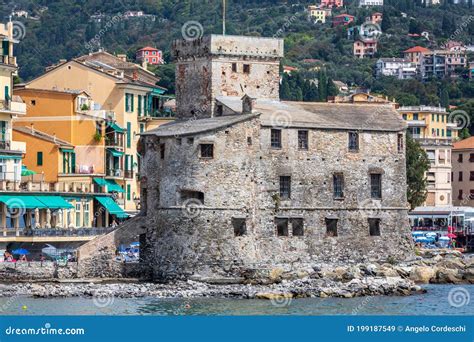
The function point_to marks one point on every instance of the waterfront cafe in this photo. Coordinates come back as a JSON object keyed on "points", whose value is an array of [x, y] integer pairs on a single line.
{"points": [[454, 222], [20, 214]]}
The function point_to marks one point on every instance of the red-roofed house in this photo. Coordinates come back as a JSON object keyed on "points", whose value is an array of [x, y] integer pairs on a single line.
{"points": [[342, 19], [150, 55], [414, 54], [332, 3], [376, 18], [366, 48]]}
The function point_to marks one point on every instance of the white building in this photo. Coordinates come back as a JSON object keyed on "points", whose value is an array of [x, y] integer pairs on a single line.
{"points": [[369, 3], [398, 67]]}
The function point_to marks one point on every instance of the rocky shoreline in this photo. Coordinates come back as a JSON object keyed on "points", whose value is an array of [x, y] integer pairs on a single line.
{"points": [[370, 279]]}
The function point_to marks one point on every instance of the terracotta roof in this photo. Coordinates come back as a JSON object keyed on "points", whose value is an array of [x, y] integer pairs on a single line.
{"points": [[148, 48], [464, 144], [417, 49], [343, 15]]}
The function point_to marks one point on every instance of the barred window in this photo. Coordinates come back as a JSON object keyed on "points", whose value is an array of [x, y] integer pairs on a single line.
{"points": [[376, 185], [285, 187], [207, 151], [338, 185], [303, 140], [400, 143], [275, 138], [353, 141]]}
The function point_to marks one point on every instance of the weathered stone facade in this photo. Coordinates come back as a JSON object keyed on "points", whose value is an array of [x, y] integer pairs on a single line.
{"points": [[223, 210]]}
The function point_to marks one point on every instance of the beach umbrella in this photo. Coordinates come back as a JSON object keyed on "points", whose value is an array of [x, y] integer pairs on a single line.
{"points": [[444, 238], [421, 239], [418, 233], [135, 244], [452, 236], [27, 172], [20, 251]]}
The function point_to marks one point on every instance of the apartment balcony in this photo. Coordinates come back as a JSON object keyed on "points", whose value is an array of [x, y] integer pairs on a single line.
{"points": [[416, 123], [453, 125], [8, 61], [448, 141], [422, 109], [114, 141], [158, 114], [14, 107], [118, 173], [128, 174]]}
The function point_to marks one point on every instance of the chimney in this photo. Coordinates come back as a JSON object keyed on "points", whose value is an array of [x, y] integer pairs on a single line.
{"points": [[122, 57], [248, 104], [32, 128]]}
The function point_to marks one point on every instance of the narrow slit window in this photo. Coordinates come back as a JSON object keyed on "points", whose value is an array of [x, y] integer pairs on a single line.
{"points": [[285, 187]]}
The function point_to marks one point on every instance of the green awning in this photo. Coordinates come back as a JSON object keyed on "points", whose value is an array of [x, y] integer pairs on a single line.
{"points": [[116, 128], [112, 207], [115, 152], [55, 202], [22, 202], [67, 150], [112, 185], [6, 156], [158, 91]]}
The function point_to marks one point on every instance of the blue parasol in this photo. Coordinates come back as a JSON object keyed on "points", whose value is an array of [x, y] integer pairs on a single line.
{"points": [[20, 251]]}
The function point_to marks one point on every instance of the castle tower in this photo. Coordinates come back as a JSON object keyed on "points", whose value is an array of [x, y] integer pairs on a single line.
{"points": [[217, 65]]}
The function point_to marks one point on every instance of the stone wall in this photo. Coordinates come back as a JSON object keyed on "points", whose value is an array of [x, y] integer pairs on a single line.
{"points": [[97, 257], [36, 271], [214, 66], [242, 181]]}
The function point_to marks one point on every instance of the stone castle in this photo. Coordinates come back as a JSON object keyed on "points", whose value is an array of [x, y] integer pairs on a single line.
{"points": [[242, 183]]}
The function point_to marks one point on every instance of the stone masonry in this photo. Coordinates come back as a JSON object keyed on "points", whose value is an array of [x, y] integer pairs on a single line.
{"points": [[253, 183]]}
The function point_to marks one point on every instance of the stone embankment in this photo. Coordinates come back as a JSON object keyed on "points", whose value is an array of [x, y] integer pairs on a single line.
{"points": [[369, 279]]}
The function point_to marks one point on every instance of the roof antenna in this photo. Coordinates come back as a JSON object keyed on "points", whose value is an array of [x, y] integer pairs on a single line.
{"points": [[223, 17]]}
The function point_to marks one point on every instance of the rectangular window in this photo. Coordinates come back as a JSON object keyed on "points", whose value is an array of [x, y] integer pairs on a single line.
{"points": [[139, 105], [240, 226], [338, 185], [303, 140], [460, 195], [471, 194], [162, 151], [376, 185], [85, 222], [471, 157], [331, 227], [282, 226], [353, 141], [129, 134], [415, 116], [246, 68], [132, 104], [460, 176], [471, 176], [400, 143], [39, 158], [78, 214], [460, 158], [374, 227], [234, 67], [297, 226], [207, 151], [129, 192], [285, 187], [127, 102], [190, 141], [142, 128], [275, 136]]}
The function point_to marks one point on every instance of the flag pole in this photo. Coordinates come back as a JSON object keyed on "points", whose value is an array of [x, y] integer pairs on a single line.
{"points": [[223, 17]]}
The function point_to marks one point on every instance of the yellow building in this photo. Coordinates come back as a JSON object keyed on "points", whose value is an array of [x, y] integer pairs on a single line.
{"points": [[430, 126], [317, 14], [11, 106], [118, 86]]}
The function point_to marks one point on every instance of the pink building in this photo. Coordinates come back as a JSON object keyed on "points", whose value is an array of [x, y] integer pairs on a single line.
{"points": [[332, 3], [150, 55], [365, 48]]}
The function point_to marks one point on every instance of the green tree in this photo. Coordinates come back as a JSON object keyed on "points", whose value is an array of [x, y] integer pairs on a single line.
{"points": [[445, 98], [323, 85], [417, 164]]}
